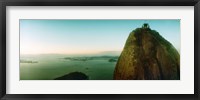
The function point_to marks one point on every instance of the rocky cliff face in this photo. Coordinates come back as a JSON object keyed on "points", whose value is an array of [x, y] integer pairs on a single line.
{"points": [[147, 56]]}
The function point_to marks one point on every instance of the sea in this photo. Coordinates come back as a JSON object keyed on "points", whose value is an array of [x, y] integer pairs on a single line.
{"points": [[51, 66]]}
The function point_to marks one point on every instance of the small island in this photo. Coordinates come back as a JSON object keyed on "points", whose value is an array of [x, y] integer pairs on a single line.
{"points": [[112, 60], [28, 61]]}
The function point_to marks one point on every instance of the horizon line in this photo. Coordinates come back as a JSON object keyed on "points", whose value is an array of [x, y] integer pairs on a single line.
{"points": [[68, 53]]}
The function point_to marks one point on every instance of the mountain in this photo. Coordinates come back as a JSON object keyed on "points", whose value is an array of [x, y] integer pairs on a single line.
{"points": [[147, 56]]}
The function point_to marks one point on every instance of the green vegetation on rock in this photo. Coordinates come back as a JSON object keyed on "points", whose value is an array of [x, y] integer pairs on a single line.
{"points": [[147, 56]]}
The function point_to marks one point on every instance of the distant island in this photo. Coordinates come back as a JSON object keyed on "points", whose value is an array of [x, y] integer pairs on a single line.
{"points": [[28, 61], [112, 60], [109, 58]]}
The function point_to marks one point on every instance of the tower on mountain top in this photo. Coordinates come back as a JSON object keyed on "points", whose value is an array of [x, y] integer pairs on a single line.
{"points": [[145, 26]]}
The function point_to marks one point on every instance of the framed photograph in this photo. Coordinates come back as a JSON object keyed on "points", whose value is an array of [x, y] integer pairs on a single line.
{"points": [[98, 49]]}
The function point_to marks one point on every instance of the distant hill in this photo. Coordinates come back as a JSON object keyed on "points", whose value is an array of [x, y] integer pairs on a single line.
{"points": [[147, 56]]}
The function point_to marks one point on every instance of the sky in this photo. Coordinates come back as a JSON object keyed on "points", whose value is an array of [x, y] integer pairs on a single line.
{"points": [[42, 36]]}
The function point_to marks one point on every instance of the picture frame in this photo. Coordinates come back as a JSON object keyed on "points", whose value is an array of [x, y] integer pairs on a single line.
{"points": [[3, 55]]}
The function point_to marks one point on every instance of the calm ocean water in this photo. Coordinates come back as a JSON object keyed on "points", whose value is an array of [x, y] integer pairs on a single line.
{"points": [[49, 67]]}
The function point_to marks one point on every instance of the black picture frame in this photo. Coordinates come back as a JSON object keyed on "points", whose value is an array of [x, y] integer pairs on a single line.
{"points": [[4, 3]]}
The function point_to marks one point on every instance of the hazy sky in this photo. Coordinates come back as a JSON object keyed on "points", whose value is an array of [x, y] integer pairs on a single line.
{"points": [[87, 36]]}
